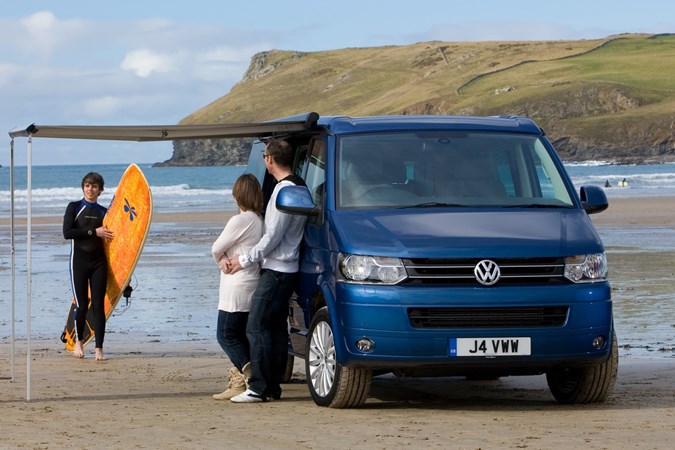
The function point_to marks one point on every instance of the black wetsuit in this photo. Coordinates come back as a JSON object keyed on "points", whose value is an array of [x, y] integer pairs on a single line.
{"points": [[88, 265]]}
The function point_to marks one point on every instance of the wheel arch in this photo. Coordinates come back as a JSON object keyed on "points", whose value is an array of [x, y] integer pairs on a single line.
{"points": [[324, 297]]}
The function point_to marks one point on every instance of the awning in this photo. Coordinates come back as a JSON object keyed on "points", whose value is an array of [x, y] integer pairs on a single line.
{"points": [[143, 133]]}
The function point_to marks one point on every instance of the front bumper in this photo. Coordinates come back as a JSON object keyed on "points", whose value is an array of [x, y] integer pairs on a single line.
{"points": [[380, 313]]}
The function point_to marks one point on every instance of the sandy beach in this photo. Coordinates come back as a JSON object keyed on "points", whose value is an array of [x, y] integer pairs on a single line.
{"points": [[155, 390]]}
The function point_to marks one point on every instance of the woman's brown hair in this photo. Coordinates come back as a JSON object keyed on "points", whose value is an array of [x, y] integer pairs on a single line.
{"points": [[248, 193]]}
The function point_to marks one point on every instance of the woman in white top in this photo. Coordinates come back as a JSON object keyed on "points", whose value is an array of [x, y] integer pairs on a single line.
{"points": [[241, 232]]}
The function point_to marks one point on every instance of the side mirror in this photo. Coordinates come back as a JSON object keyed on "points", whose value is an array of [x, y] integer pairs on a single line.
{"points": [[593, 199], [296, 200]]}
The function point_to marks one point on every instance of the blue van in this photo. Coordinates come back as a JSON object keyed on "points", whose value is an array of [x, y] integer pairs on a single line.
{"points": [[444, 246]]}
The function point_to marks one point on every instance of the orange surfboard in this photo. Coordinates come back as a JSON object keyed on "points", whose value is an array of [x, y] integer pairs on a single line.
{"points": [[129, 217]]}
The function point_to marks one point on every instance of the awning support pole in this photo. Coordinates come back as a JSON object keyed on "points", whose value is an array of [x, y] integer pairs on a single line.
{"points": [[29, 250], [12, 363]]}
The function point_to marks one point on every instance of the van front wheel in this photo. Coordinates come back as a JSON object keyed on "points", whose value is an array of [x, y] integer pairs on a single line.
{"points": [[585, 384], [331, 384]]}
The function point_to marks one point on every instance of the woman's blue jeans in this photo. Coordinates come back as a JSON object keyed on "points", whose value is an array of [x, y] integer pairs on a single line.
{"points": [[231, 334]]}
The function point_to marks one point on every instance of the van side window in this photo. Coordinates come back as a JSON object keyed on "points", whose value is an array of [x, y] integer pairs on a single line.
{"points": [[300, 160], [315, 176]]}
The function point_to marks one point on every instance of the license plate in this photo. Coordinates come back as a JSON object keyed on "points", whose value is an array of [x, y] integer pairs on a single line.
{"points": [[497, 346]]}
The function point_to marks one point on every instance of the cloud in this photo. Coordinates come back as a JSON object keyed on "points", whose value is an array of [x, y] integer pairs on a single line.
{"points": [[143, 62], [113, 72], [41, 34], [83, 71], [41, 29], [39, 22]]}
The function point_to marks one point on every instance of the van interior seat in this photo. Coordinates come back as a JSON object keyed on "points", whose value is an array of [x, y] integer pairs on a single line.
{"points": [[374, 170], [475, 177]]}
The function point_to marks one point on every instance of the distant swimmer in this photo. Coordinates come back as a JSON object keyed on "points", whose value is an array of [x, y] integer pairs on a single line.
{"points": [[607, 184], [623, 183]]}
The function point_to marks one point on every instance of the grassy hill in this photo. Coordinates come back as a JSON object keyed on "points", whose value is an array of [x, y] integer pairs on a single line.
{"points": [[610, 98]]}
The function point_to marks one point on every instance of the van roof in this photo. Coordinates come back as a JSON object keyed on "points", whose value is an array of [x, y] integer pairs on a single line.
{"points": [[511, 124]]}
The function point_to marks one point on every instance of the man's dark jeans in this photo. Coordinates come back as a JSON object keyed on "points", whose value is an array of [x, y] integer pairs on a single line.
{"points": [[267, 331]]}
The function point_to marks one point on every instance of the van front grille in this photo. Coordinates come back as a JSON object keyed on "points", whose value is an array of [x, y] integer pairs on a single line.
{"points": [[538, 316], [460, 271]]}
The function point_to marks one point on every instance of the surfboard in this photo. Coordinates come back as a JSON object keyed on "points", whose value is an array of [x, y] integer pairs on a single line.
{"points": [[129, 216]]}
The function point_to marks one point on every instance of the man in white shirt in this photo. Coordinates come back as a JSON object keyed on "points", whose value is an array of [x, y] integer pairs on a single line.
{"points": [[278, 251]]}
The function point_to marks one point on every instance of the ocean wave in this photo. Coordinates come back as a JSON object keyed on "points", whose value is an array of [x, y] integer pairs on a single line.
{"points": [[73, 193], [587, 163], [52, 201], [642, 180], [664, 180], [184, 190]]}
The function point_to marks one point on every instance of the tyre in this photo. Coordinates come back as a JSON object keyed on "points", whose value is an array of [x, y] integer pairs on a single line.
{"points": [[329, 383], [585, 384], [288, 372]]}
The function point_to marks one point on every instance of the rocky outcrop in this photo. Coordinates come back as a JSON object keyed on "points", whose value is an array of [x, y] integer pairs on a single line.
{"points": [[582, 101], [637, 143], [209, 152], [571, 149], [262, 64]]}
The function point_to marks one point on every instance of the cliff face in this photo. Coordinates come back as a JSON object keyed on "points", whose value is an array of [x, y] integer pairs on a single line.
{"points": [[610, 99], [603, 123], [209, 152]]}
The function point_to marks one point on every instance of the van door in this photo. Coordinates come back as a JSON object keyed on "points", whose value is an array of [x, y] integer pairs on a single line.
{"points": [[313, 247]]}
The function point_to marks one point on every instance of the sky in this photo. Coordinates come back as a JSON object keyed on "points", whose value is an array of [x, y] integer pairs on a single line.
{"points": [[141, 62]]}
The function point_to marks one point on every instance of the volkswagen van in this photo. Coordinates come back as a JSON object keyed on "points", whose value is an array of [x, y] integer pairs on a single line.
{"points": [[444, 246]]}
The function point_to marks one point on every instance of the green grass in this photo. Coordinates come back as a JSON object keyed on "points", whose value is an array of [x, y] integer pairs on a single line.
{"points": [[588, 89]]}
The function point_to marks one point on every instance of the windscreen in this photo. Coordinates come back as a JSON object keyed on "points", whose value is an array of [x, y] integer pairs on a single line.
{"points": [[425, 169]]}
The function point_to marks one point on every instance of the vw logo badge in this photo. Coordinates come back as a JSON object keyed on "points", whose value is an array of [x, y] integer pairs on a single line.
{"points": [[487, 272]]}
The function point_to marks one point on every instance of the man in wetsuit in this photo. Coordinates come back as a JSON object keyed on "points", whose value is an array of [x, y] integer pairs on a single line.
{"points": [[83, 224]]}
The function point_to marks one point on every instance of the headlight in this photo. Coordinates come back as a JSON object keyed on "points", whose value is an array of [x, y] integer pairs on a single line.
{"points": [[586, 268], [371, 269]]}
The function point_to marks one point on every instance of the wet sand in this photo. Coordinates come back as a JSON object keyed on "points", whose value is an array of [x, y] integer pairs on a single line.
{"points": [[155, 391]]}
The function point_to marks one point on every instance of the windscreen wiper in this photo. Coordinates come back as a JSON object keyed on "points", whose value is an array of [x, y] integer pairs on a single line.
{"points": [[434, 205], [535, 206]]}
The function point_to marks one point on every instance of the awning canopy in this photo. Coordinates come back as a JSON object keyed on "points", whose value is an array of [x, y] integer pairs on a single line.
{"points": [[143, 133], [279, 127]]}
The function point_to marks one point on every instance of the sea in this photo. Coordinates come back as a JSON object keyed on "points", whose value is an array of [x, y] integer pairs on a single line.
{"points": [[176, 281], [210, 188], [173, 188]]}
